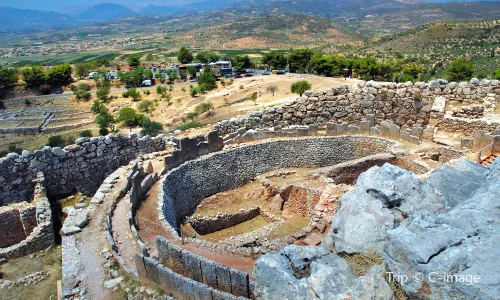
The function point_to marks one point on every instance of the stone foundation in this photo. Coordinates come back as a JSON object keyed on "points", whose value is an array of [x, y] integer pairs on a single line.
{"points": [[205, 225], [184, 187], [27, 228]]}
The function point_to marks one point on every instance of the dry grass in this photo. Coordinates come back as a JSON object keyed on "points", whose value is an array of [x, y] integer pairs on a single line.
{"points": [[361, 263], [49, 261], [399, 293]]}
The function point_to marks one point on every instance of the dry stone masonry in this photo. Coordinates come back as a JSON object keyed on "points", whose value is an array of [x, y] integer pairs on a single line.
{"points": [[27, 228], [184, 187], [79, 167]]}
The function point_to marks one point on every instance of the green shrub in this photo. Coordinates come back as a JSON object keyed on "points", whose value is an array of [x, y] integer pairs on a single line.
{"points": [[85, 133], [56, 141], [299, 87], [103, 131], [189, 125]]}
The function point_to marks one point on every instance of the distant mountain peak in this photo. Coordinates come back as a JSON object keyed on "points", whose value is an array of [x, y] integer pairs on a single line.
{"points": [[105, 11]]}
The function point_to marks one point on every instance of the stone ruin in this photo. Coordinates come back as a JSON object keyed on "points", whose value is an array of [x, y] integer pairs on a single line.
{"points": [[26, 228], [439, 221]]}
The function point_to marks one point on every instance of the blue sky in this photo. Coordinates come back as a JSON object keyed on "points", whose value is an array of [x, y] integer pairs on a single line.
{"points": [[60, 5]]}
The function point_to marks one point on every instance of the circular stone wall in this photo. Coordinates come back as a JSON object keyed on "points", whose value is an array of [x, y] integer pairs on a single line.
{"points": [[186, 186]]}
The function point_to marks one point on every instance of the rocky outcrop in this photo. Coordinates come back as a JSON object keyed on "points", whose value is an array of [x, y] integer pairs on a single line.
{"points": [[455, 251], [314, 273], [438, 238], [382, 198]]}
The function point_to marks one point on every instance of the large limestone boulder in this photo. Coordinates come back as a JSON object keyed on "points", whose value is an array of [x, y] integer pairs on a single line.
{"points": [[455, 253], [382, 198], [459, 182], [314, 273]]}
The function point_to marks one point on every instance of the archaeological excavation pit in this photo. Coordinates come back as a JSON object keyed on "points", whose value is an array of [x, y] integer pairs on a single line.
{"points": [[238, 199]]}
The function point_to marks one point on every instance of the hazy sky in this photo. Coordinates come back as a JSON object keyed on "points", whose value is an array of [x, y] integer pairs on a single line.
{"points": [[58, 5]]}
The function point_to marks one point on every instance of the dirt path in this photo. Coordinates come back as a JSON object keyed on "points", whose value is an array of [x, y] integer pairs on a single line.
{"points": [[91, 243], [150, 226], [126, 243]]}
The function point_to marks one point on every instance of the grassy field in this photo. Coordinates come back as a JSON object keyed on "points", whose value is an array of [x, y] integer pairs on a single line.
{"points": [[49, 261]]}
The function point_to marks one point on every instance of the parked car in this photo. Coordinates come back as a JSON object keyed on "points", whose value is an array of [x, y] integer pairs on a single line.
{"points": [[146, 83], [128, 86], [58, 92], [170, 82], [193, 80], [266, 73], [248, 75], [237, 76], [280, 72]]}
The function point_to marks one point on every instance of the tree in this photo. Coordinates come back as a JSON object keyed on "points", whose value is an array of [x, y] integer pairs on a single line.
{"points": [[326, 65], [412, 70], [133, 93], [56, 141], [184, 56], [8, 77], [145, 105], [81, 91], [299, 59], [241, 63], [275, 60], [151, 128], [194, 91], [102, 93], [85, 133], [206, 57], [161, 90], [207, 81], [127, 116], [172, 74], [60, 75], [496, 74], [459, 70], [299, 87], [204, 107], [191, 116], [135, 77], [272, 89], [134, 61], [191, 71], [97, 107], [105, 120], [253, 98], [83, 69], [34, 76]]}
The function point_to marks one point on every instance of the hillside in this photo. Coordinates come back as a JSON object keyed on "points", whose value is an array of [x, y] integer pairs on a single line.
{"points": [[438, 43], [422, 14], [13, 19], [104, 11], [276, 31]]}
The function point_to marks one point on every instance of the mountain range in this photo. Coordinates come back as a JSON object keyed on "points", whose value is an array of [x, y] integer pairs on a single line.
{"points": [[14, 19]]}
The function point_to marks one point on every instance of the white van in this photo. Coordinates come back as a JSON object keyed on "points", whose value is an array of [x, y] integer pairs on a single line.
{"points": [[146, 83]]}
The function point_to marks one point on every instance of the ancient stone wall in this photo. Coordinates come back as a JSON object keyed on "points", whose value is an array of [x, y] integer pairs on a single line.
{"points": [[404, 104], [184, 187], [180, 287], [467, 126], [200, 269], [79, 167], [27, 228], [209, 224]]}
